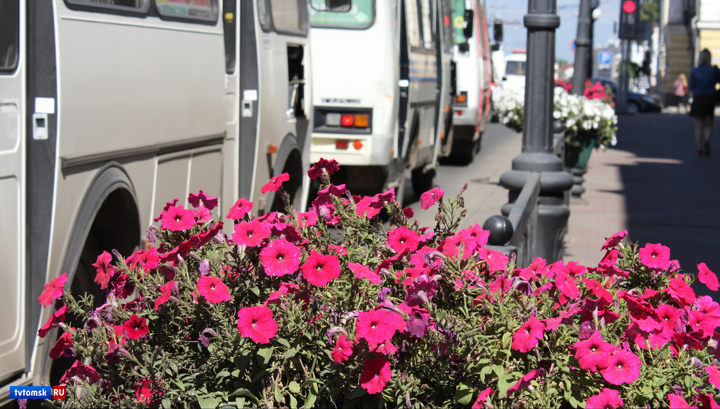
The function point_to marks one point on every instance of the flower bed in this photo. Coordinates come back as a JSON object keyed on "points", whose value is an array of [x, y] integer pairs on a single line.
{"points": [[590, 116], [333, 308]]}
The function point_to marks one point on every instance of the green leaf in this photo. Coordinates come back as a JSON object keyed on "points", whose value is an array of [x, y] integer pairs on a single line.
{"points": [[277, 394], [499, 371], [166, 403], [293, 402], [263, 356], [283, 342], [240, 402], [310, 381], [294, 387], [222, 374], [290, 353], [573, 401], [463, 394], [358, 393], [312, 397], [180, 385], [506, 340], [485, 371], [244, 393], [174, 367], [208, 401], [255, 290]]}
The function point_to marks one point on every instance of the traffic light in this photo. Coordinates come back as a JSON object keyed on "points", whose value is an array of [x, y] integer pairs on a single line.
{"points": [[629, 15]]}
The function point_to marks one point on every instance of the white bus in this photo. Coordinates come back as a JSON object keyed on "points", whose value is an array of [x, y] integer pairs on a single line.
{"points": [[474, 77], [379, 91], [109, 109]]}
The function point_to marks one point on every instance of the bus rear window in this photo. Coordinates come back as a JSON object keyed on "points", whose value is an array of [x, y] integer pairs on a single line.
{"points": [[205, 11], [515, 68], [9, 35], [359, 15]]}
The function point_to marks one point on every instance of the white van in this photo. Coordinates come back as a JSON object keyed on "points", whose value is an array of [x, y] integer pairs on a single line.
{"points": [[110, 109], [515, 68], [379, 89], [474, 76]]}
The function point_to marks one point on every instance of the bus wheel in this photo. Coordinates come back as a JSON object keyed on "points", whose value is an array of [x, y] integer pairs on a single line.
{"points": [[422, 181]]}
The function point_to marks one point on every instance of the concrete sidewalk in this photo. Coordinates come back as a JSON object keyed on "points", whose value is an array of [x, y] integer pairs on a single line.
{"points": [[654, 185]]}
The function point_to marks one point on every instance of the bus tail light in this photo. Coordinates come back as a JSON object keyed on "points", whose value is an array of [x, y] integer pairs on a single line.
{"points": [[358, 145], [362, 121], [332, 119], [347, 120], [340, 144], [461, 99], [459, 113]]}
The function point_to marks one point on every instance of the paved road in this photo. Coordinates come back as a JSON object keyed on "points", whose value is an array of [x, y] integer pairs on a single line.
{"points": [[484, 195]]}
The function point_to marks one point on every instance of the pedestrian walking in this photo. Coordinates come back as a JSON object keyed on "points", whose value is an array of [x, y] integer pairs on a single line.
{"points": [[703, 79], [681, 90]]}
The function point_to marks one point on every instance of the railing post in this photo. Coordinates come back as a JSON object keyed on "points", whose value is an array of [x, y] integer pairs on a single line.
{"points": [[537, 149]]}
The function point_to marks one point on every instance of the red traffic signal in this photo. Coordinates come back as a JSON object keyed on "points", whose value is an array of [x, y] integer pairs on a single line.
{"points": [[629, 6]]}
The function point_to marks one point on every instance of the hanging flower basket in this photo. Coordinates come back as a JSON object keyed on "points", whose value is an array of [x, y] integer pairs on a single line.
{"points": [[578, 155]]}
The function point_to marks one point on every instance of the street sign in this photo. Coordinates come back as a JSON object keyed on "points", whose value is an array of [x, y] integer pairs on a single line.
{"points": [[572, 46], [604, 58]]}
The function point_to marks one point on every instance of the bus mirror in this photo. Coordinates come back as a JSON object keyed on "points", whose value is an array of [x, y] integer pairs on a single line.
{"points": [[463, 47], [467, 31], [498, 31], [495, 47]]}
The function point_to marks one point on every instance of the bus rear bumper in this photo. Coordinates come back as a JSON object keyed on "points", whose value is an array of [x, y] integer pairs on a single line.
{"points": [[361, 150]]}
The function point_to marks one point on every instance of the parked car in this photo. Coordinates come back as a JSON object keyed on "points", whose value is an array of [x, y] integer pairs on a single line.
{"points": [[636, 102]]}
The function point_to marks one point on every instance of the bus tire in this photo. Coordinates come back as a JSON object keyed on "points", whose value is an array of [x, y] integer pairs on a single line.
{"points": [[422, 181]]}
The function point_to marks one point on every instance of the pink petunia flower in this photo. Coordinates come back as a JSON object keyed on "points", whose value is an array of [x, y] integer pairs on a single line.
{"points": [[402, 238], [678, 402], [408, 212], [713, 375], [707, 277], [53, 290], [524, 382], [362, 271], [429, 198], [593, 353], [623, 367], [655, 256], [566, 285], [323, 166], [167, 206], [482, 398], [208, 201], [377, 326], [307, 219], [53, 321], [104, 269], [680, 291], [280, 257], [285, 289], [375, 375], [177, 218], [478, 237], [257, 323], [240, 209], [275, 183], [369, 206], [213, 289], [614, 240], [706, 401], [342, 351], [251, 233], [80, 373], [63, 343], [667, 315], [598, 290], [135, 327], [148, 393], [164, 294], [385, 348], [320, 269], [606, 399], [496, 261], [527, 336]]}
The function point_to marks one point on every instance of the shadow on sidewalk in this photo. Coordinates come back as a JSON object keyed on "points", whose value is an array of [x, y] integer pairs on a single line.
{"points": [[672, 196]]}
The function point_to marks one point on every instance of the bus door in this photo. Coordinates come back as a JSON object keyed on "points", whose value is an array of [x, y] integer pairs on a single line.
{"points": [[12, 184], [404, 82]]}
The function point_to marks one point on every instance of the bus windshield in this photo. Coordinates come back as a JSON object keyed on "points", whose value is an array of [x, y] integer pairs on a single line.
{"points": [[515, 68], [359, 15], [458, 20]]}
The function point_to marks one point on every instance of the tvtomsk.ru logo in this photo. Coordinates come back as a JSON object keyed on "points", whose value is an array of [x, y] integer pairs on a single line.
{"points": [[37, 392]]}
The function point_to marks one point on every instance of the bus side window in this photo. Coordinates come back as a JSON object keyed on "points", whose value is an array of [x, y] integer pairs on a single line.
{"points": [[412, 22], [9, 35], [229, 30], [426, 24], [290, 16], [132, 7], [193, 11]]}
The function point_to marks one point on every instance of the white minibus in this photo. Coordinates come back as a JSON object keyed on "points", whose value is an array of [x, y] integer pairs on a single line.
{"points": [[109, 109], [379, 90], [474, 77]]}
